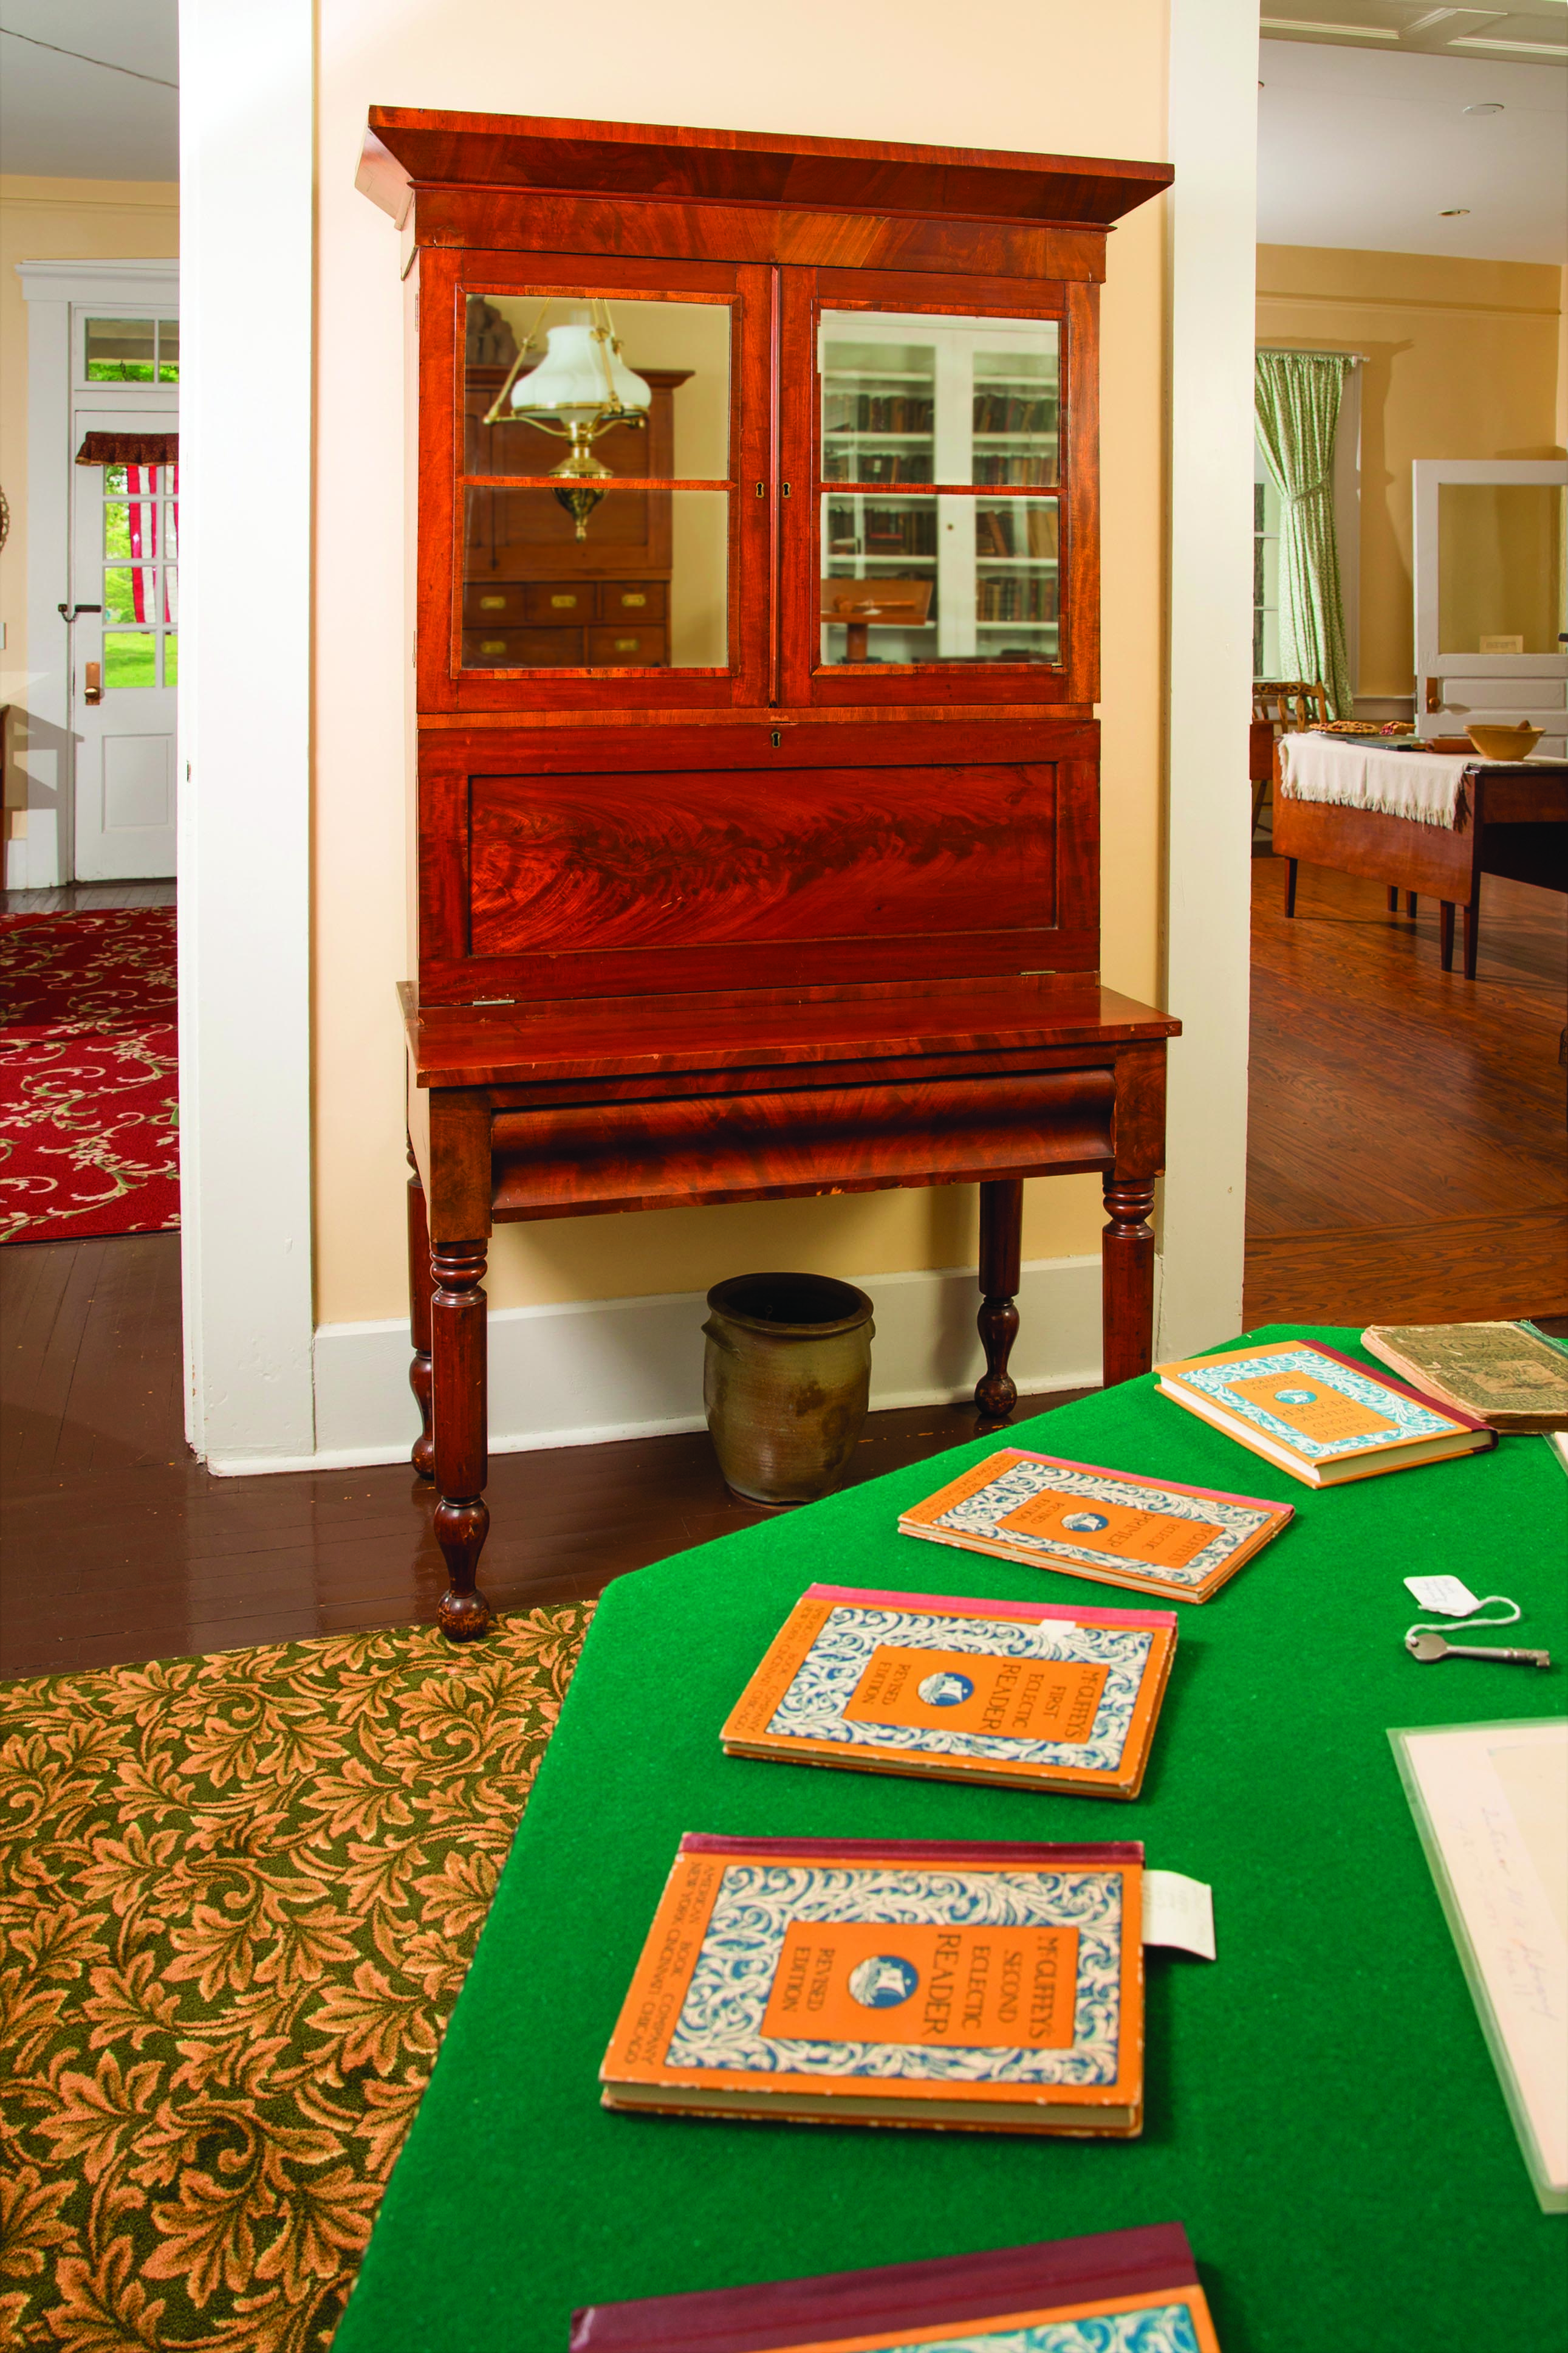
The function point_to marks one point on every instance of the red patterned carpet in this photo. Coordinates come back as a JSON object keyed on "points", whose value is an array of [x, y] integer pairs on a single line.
{"points": [[89, 1074]]}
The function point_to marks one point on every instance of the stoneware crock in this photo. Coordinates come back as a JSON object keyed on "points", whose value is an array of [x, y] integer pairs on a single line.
{"points": [[785, 1382]]}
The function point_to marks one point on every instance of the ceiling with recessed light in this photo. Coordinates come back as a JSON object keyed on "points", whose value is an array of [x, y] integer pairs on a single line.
{"points": [[1411, 153]]}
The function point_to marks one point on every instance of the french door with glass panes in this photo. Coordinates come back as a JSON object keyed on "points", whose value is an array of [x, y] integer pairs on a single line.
{"points": [[125, 554]]}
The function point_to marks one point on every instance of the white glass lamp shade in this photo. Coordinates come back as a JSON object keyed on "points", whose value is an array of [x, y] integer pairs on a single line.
{"points": [[579, 376]]}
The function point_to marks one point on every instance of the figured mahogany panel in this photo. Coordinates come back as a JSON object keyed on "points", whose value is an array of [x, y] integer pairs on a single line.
{"points": [[617, 1156], [690, 861]]}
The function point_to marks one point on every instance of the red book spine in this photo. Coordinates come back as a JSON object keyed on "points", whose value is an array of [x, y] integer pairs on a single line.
{"points": [[948, 2290], [913, 1851]]}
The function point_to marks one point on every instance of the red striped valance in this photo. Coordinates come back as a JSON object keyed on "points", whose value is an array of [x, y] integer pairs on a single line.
{"points": [[130, 449]]}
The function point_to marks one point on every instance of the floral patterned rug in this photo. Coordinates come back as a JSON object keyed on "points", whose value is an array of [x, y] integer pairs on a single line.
{"points": [[238, 1897], [89, 1074]]}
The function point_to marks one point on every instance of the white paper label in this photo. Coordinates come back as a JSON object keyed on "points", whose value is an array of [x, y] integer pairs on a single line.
{"points": [[1446, 1595], [1178, 1911]]}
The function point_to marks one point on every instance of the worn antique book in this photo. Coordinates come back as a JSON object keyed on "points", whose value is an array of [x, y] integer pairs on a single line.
{"points": [[1024, 1695], [1114, 1528], [1318, 1415], [986, 1989], [1118, 2292], [1491, 1802], [1513, 1377]]}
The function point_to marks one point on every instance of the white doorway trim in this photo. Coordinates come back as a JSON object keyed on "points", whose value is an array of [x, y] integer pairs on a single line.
{"points": [[246, 166], [1212, 215], [56, 294]]}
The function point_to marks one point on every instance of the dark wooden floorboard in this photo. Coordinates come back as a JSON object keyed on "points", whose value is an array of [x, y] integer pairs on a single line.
{"points": [[1405, 1125], [119, 1546]]}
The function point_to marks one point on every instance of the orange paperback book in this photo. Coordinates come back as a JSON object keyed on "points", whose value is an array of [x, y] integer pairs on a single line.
{"points": [[1318, 1415], [861, 1981], [1021, 1694], [1114, 1527]]}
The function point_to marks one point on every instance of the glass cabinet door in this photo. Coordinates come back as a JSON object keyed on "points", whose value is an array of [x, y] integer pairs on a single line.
{"points": [[594, 484], [937, 492]]}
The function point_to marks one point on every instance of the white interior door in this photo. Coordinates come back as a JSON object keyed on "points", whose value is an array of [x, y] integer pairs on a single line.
{"points": [[1491, 578], [124, 559]]}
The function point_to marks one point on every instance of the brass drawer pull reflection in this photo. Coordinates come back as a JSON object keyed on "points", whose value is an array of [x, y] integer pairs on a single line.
{"points": [[627, 645], [492, 604], [634, 599], [492, 645], [563, 604]]}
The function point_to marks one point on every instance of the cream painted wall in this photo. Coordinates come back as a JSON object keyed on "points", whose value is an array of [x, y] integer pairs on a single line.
{"points": [[1463, 361], [55, 220], [1056, 76]]}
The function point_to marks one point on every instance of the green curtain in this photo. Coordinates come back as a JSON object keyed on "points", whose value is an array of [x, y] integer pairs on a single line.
{"points": [[1297, 398]]}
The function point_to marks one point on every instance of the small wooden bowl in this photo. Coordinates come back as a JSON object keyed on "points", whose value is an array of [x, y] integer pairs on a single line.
{"points": [[1505, 743]]}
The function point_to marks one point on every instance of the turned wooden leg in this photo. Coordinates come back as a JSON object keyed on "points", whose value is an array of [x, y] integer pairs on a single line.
{"points": [[1472, 935], [424, 1455], [458, 1354], [1446, 932], [1127, 1278], [1291, 864], [1001, 1242]]}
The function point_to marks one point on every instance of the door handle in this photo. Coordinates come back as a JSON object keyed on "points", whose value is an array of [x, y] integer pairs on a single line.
{"points": [[1434, 694], [69, 612], [93, 691]]}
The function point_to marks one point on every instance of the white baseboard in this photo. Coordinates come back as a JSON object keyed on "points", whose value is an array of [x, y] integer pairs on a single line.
{"points": [[590, 1371]]}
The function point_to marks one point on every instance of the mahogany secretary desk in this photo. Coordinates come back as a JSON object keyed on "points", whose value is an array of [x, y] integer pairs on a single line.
{"points": [[761, 902]]}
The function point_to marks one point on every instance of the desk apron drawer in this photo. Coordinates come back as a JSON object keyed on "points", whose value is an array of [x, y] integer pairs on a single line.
{"points": [[627, 1156]]}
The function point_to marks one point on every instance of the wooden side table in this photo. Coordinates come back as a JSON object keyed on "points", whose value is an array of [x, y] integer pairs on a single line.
{"points": [[555, 1110]]}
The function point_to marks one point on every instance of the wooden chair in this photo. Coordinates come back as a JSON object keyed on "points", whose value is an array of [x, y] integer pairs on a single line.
{"points": [[1287, 706]]}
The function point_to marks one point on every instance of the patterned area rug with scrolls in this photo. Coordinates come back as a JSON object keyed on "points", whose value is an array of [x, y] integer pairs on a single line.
{"points": [[238, 1897], [89, 1074]]}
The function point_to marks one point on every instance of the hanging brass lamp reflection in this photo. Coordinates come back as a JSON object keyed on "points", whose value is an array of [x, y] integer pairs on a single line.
{"points": [[580, 389]]}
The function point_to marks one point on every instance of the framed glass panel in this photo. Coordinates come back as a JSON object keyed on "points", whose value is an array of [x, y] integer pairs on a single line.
{"points": [[130, 529], [532, 609], [130, 592], [130, 658], [171, 658], [956, 402], [168, 351], [121, 351], [1500, 568], [597, 499]]}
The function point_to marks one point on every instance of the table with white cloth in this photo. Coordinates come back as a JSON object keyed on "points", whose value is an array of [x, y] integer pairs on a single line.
{"points": [[1420, 821]]}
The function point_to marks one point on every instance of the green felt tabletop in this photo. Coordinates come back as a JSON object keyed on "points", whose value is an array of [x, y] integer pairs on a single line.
{"points": [[1321, 2111]]}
